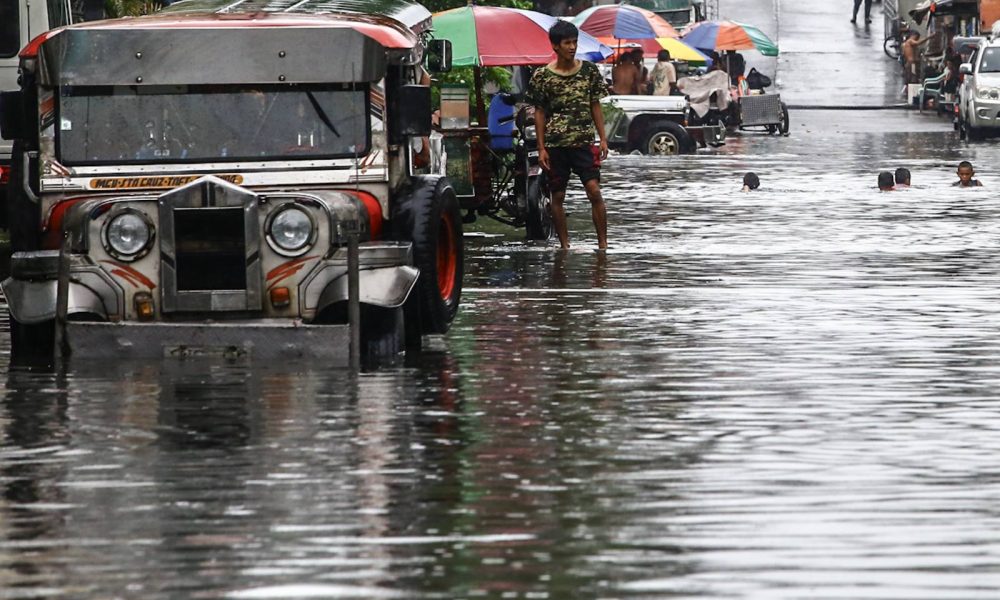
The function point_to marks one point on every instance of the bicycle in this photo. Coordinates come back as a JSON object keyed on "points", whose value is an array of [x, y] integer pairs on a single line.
{"points": [[893, 44]]}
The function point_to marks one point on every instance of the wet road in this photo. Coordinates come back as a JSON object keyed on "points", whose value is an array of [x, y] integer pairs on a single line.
{"points": [[784, 394]]}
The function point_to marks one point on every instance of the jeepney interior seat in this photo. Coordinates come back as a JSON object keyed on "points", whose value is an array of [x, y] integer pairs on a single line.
{"points": [[500, 121]]}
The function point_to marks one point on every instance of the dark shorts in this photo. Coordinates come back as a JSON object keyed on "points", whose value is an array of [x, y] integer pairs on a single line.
{"points": [[585, 161]]}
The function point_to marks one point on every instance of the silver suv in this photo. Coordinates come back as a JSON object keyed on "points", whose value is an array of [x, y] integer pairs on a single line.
{"points": [[979, 96]]}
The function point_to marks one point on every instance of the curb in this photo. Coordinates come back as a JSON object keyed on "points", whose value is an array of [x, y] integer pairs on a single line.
{"points": [[901, 106]]}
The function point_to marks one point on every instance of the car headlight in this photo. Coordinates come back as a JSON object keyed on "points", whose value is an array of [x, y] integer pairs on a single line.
{"points": [[291, 230], [988, 93], [127, 235]]}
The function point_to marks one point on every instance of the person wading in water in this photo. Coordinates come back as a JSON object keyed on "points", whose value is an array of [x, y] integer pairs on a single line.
{"points": [[567, 96]]}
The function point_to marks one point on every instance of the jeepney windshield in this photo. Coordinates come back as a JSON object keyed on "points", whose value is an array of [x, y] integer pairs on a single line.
{"points": [[183, 124]]}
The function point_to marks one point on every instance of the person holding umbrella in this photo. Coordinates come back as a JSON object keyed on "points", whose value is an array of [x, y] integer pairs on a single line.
{"points": [[566, 95]]}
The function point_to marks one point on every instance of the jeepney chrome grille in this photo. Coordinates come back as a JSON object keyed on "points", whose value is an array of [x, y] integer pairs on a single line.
{"points": [[210, 248]]}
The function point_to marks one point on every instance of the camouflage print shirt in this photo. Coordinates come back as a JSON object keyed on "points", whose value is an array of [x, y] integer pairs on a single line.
{"points": [[566, 100]]}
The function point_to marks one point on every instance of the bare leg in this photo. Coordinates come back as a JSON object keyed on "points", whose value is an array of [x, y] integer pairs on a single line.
{"points": [[597, 211], [559, 218]]}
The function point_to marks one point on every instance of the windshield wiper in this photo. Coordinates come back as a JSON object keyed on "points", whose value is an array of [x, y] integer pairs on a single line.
{"points": [[322, 114]]}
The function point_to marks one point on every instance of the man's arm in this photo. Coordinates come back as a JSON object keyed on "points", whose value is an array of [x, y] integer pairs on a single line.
{"points": [[598, 116], [543, 154]]}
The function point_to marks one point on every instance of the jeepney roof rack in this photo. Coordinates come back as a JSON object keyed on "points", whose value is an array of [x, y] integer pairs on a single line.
{"points": [[262, 41], [411, 14]]}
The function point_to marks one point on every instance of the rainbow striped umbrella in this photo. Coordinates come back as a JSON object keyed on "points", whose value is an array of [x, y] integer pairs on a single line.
{"points": [[678, 49], [729, 35], [489, 36], [624, 22]]}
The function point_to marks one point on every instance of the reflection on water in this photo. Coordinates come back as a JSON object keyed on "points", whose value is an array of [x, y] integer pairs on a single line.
{"points": [[783, 394]]}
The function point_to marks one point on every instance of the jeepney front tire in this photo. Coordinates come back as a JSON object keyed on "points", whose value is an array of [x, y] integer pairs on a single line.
{"points": [[538, 222], [382, 334], [431, 220], [23, 215], [667, 139], [32, 344]]}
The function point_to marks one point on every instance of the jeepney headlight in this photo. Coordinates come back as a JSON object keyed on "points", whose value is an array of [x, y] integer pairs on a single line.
{"points": [[127, 235], [291, 230]]}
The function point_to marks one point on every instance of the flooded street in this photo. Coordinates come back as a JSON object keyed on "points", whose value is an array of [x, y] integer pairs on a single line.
{"points": [[782, 394]]}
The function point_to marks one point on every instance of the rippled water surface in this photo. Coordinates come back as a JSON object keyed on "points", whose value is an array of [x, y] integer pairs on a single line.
{"points": [[783, 394]]}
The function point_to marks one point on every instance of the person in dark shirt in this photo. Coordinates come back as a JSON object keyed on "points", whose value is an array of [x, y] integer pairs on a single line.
{"points": [[735, 65], [965, 175]]}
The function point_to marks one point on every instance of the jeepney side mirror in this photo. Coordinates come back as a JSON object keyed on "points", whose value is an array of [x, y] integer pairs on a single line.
{"points": [[438, 57], [13, 116], [965, 69], [412, 112]]}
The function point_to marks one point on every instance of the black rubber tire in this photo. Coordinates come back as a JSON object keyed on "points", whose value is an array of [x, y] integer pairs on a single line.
{"points": [[23, 215], [538, 218], [383, 336], [32, 345], [891, 47], [667, 139], [783, 125], [429, 217]]}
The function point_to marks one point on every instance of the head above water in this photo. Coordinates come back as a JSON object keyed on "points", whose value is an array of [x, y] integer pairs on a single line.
{"points": [[563, 30], [965, 171], [903, 175], [751, 181], [885, 181]]}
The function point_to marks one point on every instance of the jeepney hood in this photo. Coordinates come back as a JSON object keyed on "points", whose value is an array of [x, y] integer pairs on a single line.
{"points": [[676, 104]]}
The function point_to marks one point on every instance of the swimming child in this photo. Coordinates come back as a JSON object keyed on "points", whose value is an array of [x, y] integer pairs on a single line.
{"points": [[886, 181], [902, 177], [965, 174], [750, 182]]}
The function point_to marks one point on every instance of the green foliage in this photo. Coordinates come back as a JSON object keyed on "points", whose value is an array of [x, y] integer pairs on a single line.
{"points": [[493, 78], [439, 5]]}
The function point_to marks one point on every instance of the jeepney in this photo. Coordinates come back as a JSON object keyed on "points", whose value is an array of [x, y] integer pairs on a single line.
{"points": [[657, 125], [230, 178]]}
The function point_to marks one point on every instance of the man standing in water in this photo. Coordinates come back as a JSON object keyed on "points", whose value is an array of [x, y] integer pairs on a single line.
{"points": [[566, 94]]}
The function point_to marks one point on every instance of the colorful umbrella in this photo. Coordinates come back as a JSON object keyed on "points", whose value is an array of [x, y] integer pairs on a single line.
{"points": [[650, 47], [729, 35], [488, 36], [624, 22]]}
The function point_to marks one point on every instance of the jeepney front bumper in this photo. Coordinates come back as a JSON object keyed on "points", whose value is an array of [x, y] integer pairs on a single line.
{"points": [[269, 339], [96, 309]]}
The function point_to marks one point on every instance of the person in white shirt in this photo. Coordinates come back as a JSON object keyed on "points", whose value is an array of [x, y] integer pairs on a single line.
{"points": [[664, 75]]}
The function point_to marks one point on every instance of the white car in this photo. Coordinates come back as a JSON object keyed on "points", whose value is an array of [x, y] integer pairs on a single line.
{"points": [[979, 96]]}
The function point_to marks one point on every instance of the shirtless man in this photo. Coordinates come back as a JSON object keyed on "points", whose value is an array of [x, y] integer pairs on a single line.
{"points": [[911, 60], [625, 75]]}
